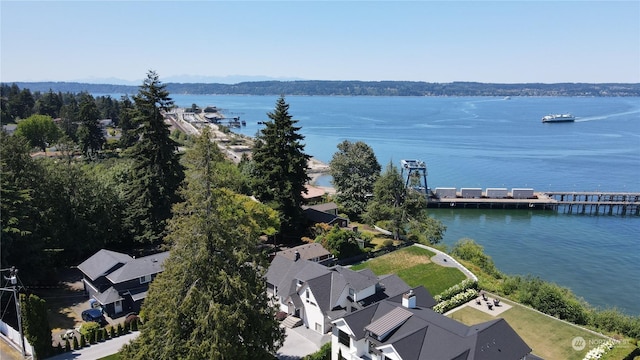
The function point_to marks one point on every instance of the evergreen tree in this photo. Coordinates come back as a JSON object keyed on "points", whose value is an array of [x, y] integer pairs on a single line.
{"points": [[157, 172], [35, 324], [126, 123], [280, 169], [69, 113], [210, 301], [354, 169], [404, 209], [89, 132]]}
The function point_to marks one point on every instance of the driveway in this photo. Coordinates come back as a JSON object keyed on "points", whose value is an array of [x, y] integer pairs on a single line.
{"points": [[300, 342], [99, 350]]}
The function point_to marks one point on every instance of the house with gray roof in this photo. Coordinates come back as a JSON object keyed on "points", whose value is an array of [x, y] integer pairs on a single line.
{"points": [[119, 282], [313, 251], [317, 294], [324, 213], [403, 328]]}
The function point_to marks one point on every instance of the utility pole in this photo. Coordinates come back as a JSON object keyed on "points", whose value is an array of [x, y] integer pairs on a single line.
{"points": [[13, 280]]}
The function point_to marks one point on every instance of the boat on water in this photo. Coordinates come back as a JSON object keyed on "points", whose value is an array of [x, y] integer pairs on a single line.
{"points": [[558, 118]]}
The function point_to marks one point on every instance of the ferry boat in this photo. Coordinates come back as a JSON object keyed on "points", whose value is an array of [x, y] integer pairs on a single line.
{"points": [[558, 118]]}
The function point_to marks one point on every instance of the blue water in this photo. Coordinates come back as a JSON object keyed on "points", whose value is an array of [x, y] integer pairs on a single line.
{"points": [[493, 142]]}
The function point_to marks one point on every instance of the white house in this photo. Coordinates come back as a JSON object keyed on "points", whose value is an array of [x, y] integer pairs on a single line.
{"points": [[318, 295], [405, 327]]}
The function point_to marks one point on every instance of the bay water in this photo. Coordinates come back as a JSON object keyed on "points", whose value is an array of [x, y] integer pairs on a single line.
{"points": [[497, 142]]}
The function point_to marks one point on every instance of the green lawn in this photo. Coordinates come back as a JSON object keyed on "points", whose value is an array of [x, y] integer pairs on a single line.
{"points": [[111, 357], [548, 337], [413, 265]]}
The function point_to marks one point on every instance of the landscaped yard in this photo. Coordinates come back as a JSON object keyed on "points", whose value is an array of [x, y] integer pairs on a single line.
{"points": [[413, 265], [548, 337]]}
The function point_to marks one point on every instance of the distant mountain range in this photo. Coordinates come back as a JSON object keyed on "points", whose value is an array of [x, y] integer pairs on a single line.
{"points": [[350, 88]]}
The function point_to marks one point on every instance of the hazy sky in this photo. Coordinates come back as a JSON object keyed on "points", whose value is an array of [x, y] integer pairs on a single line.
{"points": [[434, 41]]}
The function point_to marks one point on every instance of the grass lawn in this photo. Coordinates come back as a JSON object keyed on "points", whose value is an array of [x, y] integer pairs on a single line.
{"points": [[413, 265], [115, 356], [549, 338]]}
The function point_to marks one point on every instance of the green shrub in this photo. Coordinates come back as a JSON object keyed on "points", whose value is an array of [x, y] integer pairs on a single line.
{"points": [[456, 289], [119, 330], [112, 332], [76, 346], [387, 243], [67, 345], [83, 341], [88, 328], [469, 250], [324, 353]]}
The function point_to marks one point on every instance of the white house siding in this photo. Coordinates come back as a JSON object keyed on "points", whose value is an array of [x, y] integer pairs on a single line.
{"points": [[365, 293], [335, 344], [390, 353], [312, 313]]}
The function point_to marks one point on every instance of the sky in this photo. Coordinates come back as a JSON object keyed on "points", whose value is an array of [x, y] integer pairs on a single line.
{"points": [[432, 41]]}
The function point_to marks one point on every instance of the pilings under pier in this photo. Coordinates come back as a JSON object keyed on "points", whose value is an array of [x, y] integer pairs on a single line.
{"points": [[587, 203]]}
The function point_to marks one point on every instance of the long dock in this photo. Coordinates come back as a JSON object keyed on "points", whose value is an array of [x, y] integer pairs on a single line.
{"points": [[588, 203]]}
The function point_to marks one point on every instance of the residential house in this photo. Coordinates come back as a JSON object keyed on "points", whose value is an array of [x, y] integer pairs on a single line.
{"points": [[313, 252], [402, 328], [318, 294], [118, 281], [325, 213]]}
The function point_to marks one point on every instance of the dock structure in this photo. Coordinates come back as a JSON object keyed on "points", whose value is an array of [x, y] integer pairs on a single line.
{"points": [[415, 174], [596, 203], [588, 203]]}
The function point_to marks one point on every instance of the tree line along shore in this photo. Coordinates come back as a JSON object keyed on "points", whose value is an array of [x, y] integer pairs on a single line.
{"points": [[357, 88]]}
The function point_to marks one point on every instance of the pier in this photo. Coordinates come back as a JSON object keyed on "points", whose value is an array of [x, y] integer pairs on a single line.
{"points": [[596, 203], [571, 202], [587, 203]]}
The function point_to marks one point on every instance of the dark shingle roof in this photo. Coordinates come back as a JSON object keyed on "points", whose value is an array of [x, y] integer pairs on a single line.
{"points": [[426, 334], [306, 251], [102, 263], [136, 268]]}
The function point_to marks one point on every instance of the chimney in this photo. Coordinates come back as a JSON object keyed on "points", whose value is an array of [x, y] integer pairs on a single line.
{"points": [[297, 256], [409, 300]]}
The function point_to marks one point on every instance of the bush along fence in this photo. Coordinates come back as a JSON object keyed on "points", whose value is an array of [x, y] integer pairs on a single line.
{"points": [[92, 335]]}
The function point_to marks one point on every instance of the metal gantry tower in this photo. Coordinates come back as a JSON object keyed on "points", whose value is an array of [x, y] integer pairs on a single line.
{"points": [[414, 172]]}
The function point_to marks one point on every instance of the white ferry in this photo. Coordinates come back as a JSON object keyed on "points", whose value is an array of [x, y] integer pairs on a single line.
{"points": [[558, 118]]}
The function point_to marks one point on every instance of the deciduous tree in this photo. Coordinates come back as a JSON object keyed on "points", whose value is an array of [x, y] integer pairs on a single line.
{"points": [[39, 130], [280, 169], [354, 169]]}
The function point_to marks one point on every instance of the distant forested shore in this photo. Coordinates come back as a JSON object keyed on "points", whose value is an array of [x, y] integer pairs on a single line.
{"points": [[355, 88]]}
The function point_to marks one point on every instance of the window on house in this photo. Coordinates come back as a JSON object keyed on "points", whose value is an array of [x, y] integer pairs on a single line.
{"points": [[343, 338], [307, 295], [351, 292], [145, 279]]}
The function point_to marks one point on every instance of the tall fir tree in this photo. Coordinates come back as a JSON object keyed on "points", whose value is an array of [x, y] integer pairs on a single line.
{"points": [[210, 301], [157, 172], [89, 132], [280, 169]]}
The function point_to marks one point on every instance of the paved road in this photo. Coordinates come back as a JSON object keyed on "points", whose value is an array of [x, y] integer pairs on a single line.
{"points": [[98, 350]]}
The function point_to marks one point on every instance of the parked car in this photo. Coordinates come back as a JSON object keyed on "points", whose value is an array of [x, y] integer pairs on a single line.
{"points": [[94, 315]]}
